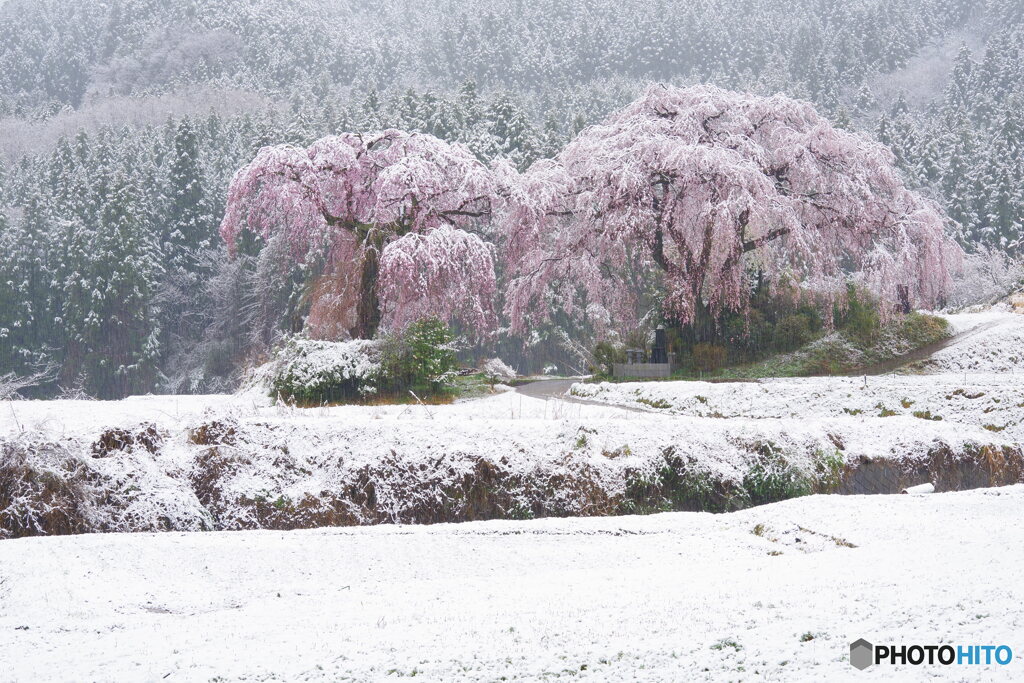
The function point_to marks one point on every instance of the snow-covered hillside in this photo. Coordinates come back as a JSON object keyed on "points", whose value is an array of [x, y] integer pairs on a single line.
{"points": [[976, 381], [772, 593], [197, 463], [990, 341]]}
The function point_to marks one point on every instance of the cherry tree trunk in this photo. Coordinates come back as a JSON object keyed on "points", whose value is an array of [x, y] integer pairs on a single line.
{"points": [[701, 328], [368, 308]]}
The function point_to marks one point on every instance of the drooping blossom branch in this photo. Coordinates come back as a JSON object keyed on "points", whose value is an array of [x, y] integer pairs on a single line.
{"points": [[359, 197], [701, 188], [419, 270]]}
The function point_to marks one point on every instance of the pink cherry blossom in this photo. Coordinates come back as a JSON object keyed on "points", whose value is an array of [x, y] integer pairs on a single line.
{"points": [[392, 211], [701, 188]]}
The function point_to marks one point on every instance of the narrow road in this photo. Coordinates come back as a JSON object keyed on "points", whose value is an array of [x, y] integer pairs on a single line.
{"points": [[926, 351], [545, 389]]}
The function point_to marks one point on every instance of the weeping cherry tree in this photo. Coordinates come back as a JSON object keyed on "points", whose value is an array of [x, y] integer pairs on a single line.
{"points": [[395, 214], [707, 190]]}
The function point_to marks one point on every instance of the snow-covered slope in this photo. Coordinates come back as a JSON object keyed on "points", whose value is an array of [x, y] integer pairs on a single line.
{"points": [[772, 593], [990, 341], [976, 381], [191, 464]]}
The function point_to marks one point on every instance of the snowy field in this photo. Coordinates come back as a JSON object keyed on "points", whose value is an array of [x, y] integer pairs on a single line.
{"points": [[525, 456], [670, 597], [990, 341], [775, 592], [507, 455]]}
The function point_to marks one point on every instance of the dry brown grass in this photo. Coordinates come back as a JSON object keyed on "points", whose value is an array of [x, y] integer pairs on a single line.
{"points": [[41, 501], [213, 433], [118, 439]]}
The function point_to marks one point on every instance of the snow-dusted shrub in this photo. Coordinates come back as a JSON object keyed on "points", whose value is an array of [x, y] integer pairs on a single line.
{"points": [[679, 483], [11, 384], [496, 370], [918, 329], [420, 357], [314, 372], [120, 439], [772, 476], [43, 491], [72, 486]]}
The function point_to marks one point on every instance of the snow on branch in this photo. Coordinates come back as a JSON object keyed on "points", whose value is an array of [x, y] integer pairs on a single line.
{"points": [[11, 384], [701, 187], [373, 203]]}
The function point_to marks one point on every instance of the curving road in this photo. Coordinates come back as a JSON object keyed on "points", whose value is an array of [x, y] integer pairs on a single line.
{"points": [[545, 389]]}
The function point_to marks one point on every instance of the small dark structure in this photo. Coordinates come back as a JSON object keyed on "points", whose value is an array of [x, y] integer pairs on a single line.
{"points": [[661, 363], [659, 352]]}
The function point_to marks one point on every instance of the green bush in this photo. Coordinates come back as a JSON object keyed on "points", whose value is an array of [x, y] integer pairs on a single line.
{"points": [[920, 330], [430, 355], [772, 477], [679, 485], [828, 357], [781, 318], [421, 358], [861, 319], [606, 354], [708, 357], [748, 336], [792, 331], [828, 471]]}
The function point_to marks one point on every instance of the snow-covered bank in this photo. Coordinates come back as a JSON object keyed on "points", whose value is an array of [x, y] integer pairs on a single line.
{"points": [[991, 341], [771, 593], [979, 401], [141, 465]]}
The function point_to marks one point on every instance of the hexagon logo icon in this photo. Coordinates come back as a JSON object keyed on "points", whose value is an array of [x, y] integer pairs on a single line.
{"points": [[861, 654]]}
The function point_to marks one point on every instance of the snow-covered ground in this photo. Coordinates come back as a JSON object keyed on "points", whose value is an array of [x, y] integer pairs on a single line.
{"points": [[991, 342], [771, 593], [507, 455], [976, 382]]}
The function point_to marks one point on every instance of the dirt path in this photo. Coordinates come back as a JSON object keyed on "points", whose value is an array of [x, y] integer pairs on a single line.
{"points": [[926, 351], [558, 389]]}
